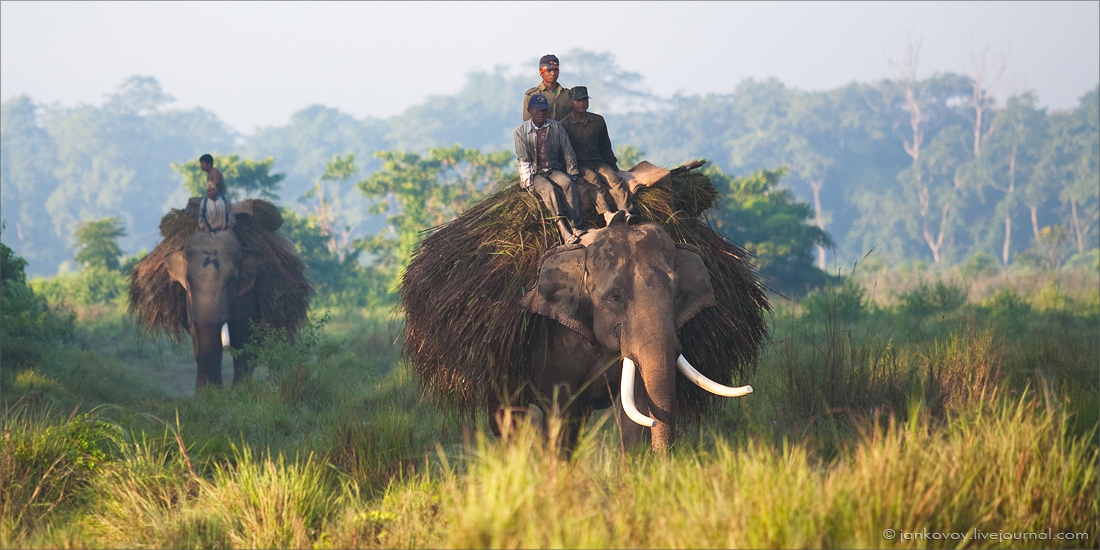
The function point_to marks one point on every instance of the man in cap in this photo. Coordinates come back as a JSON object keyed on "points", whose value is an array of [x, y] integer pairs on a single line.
{"points": [[596, 158], [548, 167], [556, 95]]}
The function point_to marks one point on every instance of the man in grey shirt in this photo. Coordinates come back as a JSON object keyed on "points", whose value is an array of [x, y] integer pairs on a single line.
{"points": [[548, 167]]}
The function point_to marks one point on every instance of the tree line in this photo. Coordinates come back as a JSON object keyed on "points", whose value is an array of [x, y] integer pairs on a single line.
{"points": [[932, 170]]}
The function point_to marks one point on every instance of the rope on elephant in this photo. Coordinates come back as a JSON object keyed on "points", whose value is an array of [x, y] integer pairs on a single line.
{"points": [[283, 293], [465, 328]]}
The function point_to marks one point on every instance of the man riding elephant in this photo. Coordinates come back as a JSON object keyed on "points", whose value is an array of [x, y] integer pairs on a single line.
{"points": [[556, 95], [596, 158], [548, 167]]}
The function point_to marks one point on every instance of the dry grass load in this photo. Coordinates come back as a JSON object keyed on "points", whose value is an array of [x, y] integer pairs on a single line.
{"points": [[282, 290], [465, 330]]}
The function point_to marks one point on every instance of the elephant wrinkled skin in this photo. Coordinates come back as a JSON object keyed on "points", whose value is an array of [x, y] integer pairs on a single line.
{"points": [[622, 292]]}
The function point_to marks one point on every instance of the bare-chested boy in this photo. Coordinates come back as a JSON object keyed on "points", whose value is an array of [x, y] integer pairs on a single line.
{"points": [[215, 212], [214, 176]]}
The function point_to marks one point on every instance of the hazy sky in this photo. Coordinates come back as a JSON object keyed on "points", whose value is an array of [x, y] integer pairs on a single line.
{"points": [[255, 63]]}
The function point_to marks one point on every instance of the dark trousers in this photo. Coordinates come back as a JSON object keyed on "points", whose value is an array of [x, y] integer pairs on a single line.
{"points": [[609, 192], [559, 194]]}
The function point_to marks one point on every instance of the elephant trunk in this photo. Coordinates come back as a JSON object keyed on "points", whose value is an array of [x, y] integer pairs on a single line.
{"points": [[208, 354], [656, 361]]}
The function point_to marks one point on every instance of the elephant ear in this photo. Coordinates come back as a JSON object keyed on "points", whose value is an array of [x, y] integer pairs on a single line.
{"points": [[177, 266], [251, 262], [695, 291], [559, 291]]}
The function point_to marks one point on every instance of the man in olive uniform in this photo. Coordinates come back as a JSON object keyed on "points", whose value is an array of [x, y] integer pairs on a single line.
{"points": [[596, 158], [556, 95], [548, 168]]}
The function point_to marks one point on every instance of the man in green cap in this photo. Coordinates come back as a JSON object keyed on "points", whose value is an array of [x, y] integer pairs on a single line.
{"points": [[556, 94], [596, 158]]}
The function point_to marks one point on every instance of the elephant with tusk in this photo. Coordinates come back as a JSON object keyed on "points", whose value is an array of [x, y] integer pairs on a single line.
{"points": [[501, 318], [199, 282], [624, 292]]}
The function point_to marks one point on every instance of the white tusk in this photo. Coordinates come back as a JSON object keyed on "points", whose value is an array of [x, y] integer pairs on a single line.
{"points": [[225, 334], [628, 396], [708, 384]]}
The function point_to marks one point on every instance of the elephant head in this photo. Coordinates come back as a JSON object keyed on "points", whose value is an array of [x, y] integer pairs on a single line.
{"points": [[218, 276], [627, 291]]}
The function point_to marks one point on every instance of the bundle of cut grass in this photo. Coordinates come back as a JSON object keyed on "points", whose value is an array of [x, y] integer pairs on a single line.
{"points": [[465, 328], [281, 288]]}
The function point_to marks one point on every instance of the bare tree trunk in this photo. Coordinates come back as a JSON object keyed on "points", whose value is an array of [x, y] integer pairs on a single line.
{"points": [[935, 244], [983, 80], [816, 185], [1077, 227], [1008, 213], [1035, 221]]}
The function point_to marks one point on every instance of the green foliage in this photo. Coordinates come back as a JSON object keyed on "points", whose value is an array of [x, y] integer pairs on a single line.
{"points": [[48, 464], [979, 265], [29, 328], [628, 155], [97, 242], [338, 281], [771, 223], [245, 178], [293, 365], [845, 301], [419, 193], [927, 300], [88, 287]]}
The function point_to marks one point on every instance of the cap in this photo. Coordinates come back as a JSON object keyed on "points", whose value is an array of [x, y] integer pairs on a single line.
{"points": [[538, 102], [547, 59], [578, 93]]}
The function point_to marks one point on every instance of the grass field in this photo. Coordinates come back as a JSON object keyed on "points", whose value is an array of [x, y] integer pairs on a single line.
{"points": [[925, 416]]}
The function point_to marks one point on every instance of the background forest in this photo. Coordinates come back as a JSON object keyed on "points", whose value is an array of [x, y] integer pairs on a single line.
{"points": [[931, 170]]}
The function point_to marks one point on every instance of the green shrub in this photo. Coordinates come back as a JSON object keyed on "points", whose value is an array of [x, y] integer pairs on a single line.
{"points": [[29, 329], [845, 302], [47, 464], [927, 300]]}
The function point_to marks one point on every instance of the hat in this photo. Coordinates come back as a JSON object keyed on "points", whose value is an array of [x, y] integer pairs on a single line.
{"points": [[578, 93], [538, 102], [547, 59]]}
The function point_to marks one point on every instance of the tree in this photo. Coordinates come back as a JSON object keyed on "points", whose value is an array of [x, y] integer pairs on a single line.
{"points": [[1009, 158], [772, 224], [244, 178], [97, 243], [419, 193], [327, 214]]}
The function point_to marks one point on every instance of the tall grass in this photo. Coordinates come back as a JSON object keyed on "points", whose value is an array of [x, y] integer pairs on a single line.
{"points": [[974, 418]]}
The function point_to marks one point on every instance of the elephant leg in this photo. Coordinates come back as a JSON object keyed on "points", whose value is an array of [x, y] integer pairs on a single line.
{"points": [[240, 333], [572, 422], [506, 420]]}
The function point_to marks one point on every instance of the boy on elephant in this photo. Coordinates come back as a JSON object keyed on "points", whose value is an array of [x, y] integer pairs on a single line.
{"points": [[596, 158], [213, 175], [215, 213], [548, 167]]}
